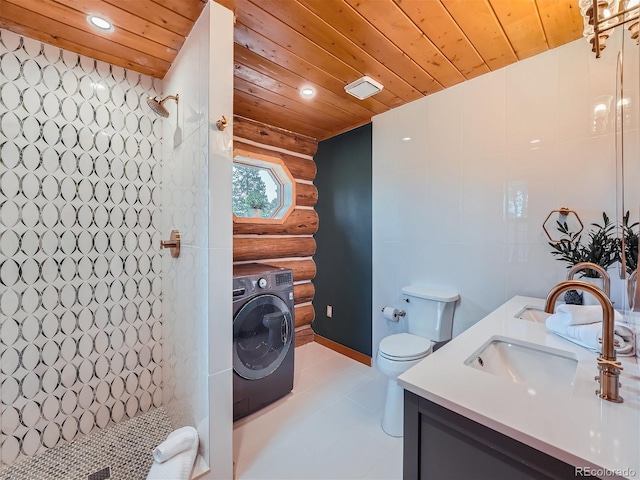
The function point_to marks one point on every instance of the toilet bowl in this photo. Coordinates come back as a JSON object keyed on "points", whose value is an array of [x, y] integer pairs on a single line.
{"points": [[397, 354], [429, 318]]}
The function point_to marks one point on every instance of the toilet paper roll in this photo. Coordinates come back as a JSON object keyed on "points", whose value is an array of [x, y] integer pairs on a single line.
{"points": [[390, 313]]}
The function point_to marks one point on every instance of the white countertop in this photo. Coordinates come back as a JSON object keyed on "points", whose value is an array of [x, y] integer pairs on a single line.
{"points": [[578, 427]]}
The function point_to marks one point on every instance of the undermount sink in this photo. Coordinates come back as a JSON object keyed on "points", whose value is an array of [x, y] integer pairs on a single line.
{"points": [[533, 314], [535, 366]]}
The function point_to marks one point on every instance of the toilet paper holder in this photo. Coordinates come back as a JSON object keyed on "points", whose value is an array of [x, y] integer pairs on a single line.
{"points": [[396, 313]]}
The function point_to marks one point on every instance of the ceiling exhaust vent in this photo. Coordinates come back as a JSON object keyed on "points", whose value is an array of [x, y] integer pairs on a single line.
{"points": [[363, 87]]}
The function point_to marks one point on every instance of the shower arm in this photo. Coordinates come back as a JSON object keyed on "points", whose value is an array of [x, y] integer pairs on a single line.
{"points": [[170, 97]]}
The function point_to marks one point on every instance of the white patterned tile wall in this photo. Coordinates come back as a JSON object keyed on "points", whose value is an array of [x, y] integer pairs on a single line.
{"points": [[80, 268]]}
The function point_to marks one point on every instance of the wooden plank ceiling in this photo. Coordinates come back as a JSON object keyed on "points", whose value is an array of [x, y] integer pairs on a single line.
{"points": [[147, 37], [413, 47]]}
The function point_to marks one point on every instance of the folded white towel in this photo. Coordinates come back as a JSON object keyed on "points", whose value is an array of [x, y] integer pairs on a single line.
{"points": [[583, 314], [177, 441], [180, 464], [180, 431], [588, 335]]}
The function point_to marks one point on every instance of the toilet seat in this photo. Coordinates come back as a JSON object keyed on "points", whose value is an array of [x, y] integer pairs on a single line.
{"points": [[404, 347]]}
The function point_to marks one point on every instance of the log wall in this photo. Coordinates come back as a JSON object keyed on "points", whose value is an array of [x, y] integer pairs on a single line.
{"points": [[291, 244]]}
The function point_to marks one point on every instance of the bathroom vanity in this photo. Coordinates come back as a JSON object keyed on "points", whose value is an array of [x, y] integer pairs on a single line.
{"points": [[507, 399]]}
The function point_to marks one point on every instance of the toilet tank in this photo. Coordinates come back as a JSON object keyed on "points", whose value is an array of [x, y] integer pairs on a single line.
{"points": [[430, 311]]}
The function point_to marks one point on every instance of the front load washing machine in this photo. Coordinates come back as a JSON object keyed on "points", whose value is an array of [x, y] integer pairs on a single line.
{"points": [[263, 334]]}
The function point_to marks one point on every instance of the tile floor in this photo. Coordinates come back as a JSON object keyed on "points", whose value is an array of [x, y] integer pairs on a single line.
{"points": [[327, 428], [125, 448]]}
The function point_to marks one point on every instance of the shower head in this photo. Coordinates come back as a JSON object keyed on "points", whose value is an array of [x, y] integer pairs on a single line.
{"points": [[158, 105]]}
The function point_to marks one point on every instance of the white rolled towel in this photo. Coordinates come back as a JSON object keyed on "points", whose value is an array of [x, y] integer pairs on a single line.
{"points": [[589, 335], [582, 314], [180, 464], [177, 441]]}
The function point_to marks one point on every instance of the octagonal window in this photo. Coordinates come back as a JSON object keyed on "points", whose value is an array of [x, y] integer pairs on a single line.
{"points": [[263, 188]]}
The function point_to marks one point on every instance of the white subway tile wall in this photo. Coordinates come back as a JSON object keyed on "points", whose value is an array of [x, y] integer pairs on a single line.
{"points": [[80, 217], [461, 204]]}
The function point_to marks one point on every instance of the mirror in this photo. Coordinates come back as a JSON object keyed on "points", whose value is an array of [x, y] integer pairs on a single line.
{"points": [[263, 188], [628, 164]]}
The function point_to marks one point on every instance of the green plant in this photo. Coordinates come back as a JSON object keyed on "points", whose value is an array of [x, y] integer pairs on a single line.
{"points": [[256, 200], [630, 243], [601, 248], [248, 189]]}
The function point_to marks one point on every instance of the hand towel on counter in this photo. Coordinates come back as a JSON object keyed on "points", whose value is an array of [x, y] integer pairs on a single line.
{"points": [[582, 314], [588, 335], [174, 458]]}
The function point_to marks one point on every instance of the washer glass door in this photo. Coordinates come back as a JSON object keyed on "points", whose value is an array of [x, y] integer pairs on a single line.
{"points": [[262, 332]]}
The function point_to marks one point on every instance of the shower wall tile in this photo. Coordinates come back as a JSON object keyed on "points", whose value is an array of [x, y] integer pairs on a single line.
{"points": [[220, 309], [185, 283], [197, 200], [220, 195], [186, 208], [80, 290], [221, 422], [220, 243], [185, 192]]}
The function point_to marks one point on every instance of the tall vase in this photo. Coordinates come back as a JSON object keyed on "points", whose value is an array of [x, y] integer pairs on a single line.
{"points": [[587, 298]]}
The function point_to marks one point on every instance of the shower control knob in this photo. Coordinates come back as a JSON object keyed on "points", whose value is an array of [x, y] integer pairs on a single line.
{"points": [[173, 244], [262, 283]]}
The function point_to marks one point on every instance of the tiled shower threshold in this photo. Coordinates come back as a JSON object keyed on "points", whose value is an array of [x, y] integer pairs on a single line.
{"points": [[124, 449]]}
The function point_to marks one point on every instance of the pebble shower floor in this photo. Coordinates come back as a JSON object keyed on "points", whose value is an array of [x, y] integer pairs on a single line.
{"points": [[125, 448]]}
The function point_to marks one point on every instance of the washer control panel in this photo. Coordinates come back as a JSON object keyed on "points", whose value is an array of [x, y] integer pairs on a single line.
{"points": [[254, 278]]}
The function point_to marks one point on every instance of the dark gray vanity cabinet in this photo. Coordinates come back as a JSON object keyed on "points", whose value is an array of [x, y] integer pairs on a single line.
{"points": [[442, 445]]}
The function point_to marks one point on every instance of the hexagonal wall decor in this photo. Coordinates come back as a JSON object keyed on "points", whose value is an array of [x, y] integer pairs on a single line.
{"points": [[563, 212]]}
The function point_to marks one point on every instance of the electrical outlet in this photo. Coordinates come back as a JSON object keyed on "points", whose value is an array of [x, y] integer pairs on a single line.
{"points": [[329, 311]]}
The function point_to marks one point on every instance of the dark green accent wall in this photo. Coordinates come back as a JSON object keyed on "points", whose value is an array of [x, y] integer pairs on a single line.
{"points": [[343, 255]]}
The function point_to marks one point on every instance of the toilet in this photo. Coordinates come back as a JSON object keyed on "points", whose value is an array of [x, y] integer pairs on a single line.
{"points": [[429, 316]]}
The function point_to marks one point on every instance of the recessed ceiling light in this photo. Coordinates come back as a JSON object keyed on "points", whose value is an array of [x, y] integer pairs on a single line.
{"points": [[406, 139], [307, 92], [100, 23]]}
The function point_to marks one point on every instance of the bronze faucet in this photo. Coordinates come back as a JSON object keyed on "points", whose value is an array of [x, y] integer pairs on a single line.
{"points": [[606, 280], [607, 364]]}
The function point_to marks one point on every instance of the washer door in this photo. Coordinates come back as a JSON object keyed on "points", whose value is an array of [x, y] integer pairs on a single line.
{"points": [[262, 332]]}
